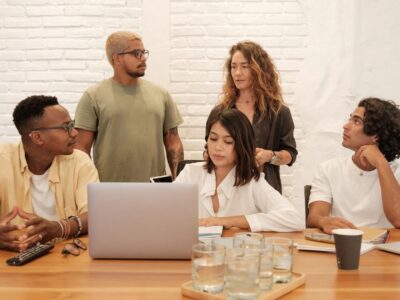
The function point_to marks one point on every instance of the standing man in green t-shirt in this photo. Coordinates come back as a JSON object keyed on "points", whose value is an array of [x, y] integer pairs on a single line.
{"points": [[127, 119]]}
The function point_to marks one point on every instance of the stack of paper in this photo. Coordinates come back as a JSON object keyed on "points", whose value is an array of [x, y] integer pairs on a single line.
{"points": [[210, 232]]}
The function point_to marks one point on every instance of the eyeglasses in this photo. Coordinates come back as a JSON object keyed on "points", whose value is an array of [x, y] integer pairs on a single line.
{"points": [[67, 127], [137, 53], [74, 248]]}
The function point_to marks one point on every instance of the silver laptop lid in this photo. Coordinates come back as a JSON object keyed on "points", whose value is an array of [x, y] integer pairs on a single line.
{"points": [[142, 220]]}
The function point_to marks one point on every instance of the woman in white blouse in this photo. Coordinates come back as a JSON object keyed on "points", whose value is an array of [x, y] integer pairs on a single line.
{"points": [[231, 191]]}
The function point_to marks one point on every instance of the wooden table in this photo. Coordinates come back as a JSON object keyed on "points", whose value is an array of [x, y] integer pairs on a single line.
{"points": [[57, 277]]}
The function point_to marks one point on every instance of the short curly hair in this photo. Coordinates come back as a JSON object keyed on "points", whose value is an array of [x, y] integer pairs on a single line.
{"points": [[382, 118], [29, 109]]}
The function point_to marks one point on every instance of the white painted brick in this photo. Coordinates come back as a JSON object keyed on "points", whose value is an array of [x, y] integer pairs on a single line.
{"points": [[16, 22], [293, 7], [184, 76], [196, 145], [204, 88], [86, 55], [44, 55], [65, 21], [200, 109], [85, 33], [12, 76], [3, 89], [83, 77], [188, 31], [192, 133], [83, 10], [188, 54], [194, 121], [67, 87], [2, 44], [296, 30], [11, 11], [49, 11], [121, 12], [102, 66], [22, 44], [135, 3], [25, 2], [44, 32], [67, 65], [11, 131], [7, 33], [44, 76], [31, 87], [65, 43]]}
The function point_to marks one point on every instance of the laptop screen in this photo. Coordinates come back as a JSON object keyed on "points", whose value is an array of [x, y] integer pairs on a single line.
{"points": [[142, 220]]}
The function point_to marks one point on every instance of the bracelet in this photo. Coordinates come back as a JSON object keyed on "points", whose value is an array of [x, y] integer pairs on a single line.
{"points": [[79, 223], [62, 228]]}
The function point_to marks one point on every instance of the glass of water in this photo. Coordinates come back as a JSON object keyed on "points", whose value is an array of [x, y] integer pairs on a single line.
{"points": [[242, 273], [266, 265], [208, 267], [248, 240], [282, 259]]}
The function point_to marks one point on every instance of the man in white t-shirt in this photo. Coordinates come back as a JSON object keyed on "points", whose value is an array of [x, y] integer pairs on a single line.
{"points": [[361, 190], [43, 180]]}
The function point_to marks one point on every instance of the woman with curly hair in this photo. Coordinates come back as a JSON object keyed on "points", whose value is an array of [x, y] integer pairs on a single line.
{"points": [[252, 87], [362, 189]]}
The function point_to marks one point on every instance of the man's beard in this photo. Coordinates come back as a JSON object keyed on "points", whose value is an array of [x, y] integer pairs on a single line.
{"points": [[136, 74]]}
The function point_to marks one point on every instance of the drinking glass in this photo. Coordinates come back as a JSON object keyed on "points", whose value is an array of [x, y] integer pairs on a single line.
{"points": [[208, 267], [282, 259], [242, 273]]}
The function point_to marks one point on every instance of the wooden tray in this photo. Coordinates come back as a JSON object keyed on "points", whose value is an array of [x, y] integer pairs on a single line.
{"points": [[278, 290]]}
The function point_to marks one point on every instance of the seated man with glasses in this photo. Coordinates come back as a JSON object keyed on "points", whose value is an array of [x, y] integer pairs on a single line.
{"points": [[43, 180], [129, 121]]}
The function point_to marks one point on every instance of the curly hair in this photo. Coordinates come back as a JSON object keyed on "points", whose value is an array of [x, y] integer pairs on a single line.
{"points": [[265, 83], [29, 109], [240, 129], [382, 118]]}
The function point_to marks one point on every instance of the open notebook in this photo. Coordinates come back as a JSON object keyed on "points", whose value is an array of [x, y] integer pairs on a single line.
{"points": [[371, 236]]}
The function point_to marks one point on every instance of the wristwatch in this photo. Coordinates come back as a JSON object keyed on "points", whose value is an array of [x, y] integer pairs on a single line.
{"points": [[274, 158]]}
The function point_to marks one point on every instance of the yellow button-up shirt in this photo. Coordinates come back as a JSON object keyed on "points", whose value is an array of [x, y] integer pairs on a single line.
{"points": [[68, 179]]}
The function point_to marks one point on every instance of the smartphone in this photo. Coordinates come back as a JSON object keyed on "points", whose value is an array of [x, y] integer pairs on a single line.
{"points": [[320, 237], [163, 178]]}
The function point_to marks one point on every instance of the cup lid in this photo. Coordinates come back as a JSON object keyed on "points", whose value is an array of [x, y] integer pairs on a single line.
{"points": [[347, 231]]}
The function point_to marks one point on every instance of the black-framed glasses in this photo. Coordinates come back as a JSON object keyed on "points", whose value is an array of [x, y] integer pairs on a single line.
{"points": [[67, 127], [137, 53], [74, 248]]}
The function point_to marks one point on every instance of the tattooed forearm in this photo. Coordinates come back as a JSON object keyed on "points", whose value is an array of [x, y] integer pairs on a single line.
{"points": [[174, 149]]}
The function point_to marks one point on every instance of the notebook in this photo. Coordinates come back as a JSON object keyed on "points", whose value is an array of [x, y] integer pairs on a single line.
{"points": [[142, 220], [390, 247], [370, 237]]}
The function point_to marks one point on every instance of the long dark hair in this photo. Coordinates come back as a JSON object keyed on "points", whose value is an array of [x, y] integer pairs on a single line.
{"points": [[240, 129]]}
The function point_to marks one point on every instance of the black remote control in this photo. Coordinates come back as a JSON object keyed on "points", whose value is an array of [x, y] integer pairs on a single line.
{"points": [[30, 254]]}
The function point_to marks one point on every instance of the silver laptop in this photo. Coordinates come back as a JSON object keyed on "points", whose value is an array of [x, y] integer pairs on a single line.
{"points": [[142, 220]]}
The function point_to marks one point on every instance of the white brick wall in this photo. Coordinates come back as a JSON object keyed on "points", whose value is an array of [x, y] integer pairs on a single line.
{"points": [[56, 48]]}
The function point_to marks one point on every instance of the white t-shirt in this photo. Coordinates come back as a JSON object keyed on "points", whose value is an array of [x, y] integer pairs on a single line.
{"points": [[353, 193], [43, 201], [264, 208]]}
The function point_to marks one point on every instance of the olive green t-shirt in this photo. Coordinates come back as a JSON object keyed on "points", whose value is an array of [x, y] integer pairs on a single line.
{"points": [[129, 122]]}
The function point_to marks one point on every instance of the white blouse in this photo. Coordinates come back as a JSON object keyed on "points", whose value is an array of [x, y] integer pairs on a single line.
{"points": [[264, 208]]}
